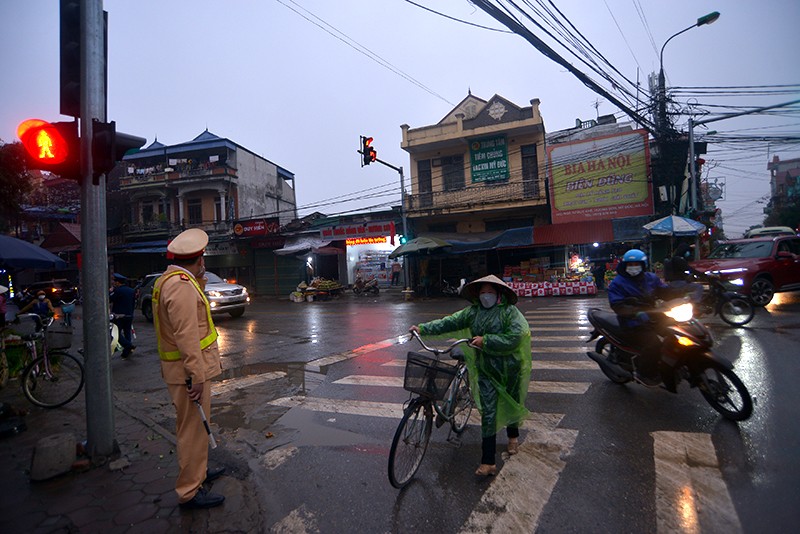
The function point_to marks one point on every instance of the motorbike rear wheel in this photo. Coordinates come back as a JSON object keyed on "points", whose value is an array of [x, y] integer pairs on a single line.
{"points": [[725, 392], [605, 349], [737, 311]]}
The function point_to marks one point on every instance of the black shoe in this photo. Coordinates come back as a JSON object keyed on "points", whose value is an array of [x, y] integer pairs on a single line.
{"points": [[213, 474], [125, 353], [203, 499], [649, 381]]}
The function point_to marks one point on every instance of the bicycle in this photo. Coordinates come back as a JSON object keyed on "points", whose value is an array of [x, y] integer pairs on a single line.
{"points": [[54, 377], [440, 387]]}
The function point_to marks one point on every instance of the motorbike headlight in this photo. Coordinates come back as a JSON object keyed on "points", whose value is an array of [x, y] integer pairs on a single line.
{"points": [[681, 313]]}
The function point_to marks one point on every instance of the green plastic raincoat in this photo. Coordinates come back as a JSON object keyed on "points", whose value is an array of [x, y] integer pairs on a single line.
{"points": [[502, 368]]}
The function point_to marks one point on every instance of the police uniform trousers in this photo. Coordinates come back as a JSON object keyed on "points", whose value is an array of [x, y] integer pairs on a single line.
{"points": [[192, 440]]}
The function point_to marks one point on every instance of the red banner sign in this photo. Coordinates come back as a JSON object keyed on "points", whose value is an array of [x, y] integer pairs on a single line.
{"points": [[257, 227], [364, 240], [371, 229]]}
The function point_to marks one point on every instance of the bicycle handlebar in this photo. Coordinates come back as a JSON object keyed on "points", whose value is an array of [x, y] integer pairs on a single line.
{"points": [[40, 321], [441, 351]]}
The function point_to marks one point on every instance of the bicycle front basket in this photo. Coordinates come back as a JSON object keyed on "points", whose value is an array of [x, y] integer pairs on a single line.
{"points": [[428, 376]]}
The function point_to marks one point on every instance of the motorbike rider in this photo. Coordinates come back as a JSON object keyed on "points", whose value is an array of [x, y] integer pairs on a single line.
{"points": [[632, 292], [678, 273]]}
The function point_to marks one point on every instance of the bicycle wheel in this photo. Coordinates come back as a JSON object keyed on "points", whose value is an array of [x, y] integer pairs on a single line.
{"points": [[462, 403], [58, 386], [410, 442]]}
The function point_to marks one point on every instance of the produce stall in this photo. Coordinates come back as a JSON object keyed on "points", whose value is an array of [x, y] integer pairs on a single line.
{"points": [[318, 289], [535, 278]]}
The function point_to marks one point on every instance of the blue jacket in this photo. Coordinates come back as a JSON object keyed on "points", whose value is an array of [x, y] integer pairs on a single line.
{"points": [[645, 287]]}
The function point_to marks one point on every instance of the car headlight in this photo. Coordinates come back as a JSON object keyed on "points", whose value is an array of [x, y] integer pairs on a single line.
{"points": [[737, 281], [214, 294]]}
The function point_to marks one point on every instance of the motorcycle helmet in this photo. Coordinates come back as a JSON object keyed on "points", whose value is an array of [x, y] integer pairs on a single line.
{"points": [[634, 255]]}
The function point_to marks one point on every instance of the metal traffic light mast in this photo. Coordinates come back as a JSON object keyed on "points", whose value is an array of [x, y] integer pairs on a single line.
{"points": [[369, 155]]}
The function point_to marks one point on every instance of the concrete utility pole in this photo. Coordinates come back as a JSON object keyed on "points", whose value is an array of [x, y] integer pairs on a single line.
{"points": [[94, 272]]}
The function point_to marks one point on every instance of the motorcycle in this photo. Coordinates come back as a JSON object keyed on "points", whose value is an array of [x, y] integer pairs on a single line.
{"points": [[453, 291], [733, 308], [362, 287], [686, 354]]}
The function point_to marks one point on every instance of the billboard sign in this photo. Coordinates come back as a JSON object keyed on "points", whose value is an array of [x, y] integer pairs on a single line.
{"points": [[489, 159], [602, 178]]}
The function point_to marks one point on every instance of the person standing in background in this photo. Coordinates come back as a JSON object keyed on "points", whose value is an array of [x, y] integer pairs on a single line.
{"points": [[123, 303]]}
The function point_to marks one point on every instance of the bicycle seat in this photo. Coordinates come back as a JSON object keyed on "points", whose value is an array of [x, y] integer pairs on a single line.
{"points": [[457, 354]]}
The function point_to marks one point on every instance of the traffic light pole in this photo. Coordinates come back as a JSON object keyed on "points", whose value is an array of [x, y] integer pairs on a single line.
{"points": [[402, 208], [94, 272]]}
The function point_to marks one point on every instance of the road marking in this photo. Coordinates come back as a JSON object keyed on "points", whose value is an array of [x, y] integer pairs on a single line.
{"points": [[536, 386], [544, 350], [315, 365], [558, 329], [564, 365], [520, 491], [690, 493], [244, 382], [343, 406], [537, 339], [566, 388]]}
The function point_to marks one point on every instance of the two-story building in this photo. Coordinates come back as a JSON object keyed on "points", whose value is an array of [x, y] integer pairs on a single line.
{"points": [[210, 183], [517, 203]]}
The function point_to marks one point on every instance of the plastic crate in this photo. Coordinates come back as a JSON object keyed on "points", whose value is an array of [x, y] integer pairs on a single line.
{"points": [[59, 337], [428, 376]]}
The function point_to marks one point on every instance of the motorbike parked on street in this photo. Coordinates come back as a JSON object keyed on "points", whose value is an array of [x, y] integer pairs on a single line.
{"points": [[364, 287], [686, 354], [452, 290]]}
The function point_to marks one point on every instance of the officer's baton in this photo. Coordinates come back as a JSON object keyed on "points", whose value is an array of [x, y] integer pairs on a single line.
{"points": [[211, 439]]}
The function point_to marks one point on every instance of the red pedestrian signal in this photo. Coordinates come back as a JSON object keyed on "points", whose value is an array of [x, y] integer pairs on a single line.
{"points": [[368, 153], [53, 147]]}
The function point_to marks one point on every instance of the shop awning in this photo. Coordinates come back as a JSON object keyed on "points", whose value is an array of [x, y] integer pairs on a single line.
{"points": [[302, 244], [516, 237], [574, 233]]}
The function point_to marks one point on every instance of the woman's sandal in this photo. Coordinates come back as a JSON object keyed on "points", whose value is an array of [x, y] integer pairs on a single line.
{"points": [[513, 446], [486, 470]]}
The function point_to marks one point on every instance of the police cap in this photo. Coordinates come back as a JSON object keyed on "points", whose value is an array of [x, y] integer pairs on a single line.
{"points": [[188, 244]]}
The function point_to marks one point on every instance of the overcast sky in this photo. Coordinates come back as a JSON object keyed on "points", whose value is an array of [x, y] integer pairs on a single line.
{"points": [[299, 90]]}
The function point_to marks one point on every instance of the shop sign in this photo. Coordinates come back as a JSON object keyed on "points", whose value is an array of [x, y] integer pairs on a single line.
{"points": [[364, 241], [600, 178], [489, 159], [221, 249], [257, 227], [273, 241], [345, 231]]}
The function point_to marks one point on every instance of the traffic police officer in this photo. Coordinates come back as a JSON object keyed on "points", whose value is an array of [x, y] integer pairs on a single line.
{"points": [[187, 347]]}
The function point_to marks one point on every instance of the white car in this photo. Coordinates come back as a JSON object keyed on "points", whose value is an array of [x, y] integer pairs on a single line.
{"points": [[222, 296]]}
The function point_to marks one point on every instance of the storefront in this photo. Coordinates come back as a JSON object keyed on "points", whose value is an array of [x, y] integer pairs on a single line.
{"points": [[367, 246]]}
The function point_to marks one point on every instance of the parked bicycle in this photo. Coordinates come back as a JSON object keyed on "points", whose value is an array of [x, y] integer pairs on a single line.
{"points": [[435, 386], [53, 377]]}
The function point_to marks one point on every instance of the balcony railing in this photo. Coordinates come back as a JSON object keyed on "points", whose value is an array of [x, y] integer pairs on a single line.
{"points": [[157, 229], [483, 195], [161, 176]]}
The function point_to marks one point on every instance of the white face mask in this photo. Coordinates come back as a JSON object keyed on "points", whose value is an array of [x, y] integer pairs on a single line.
{"points": [[488, 299], [41, 297], [633, 270]]}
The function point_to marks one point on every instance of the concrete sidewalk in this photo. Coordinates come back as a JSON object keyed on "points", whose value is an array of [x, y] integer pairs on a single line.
{"points": [[130, 492]]}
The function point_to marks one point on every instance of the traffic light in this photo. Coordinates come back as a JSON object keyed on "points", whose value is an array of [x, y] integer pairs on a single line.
{"points": [[109, 147], [70, 50], [403, 240], [368, 153], [53, 147]]}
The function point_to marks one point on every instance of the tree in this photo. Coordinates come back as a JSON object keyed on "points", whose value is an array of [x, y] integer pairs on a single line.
{"points": [[15, 184]]}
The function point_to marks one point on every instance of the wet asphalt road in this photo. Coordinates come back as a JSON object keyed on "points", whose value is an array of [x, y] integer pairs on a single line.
{"points": [[316, 443]]}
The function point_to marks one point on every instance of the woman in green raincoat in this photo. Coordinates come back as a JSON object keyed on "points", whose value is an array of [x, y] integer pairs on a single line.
{"points": [[502, 366]]}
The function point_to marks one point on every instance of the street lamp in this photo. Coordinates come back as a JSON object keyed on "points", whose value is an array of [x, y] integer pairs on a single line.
{"points": [[662, 92]]}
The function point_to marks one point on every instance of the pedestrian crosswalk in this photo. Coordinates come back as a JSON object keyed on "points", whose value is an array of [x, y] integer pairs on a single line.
{"points": [[688, 479]]}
